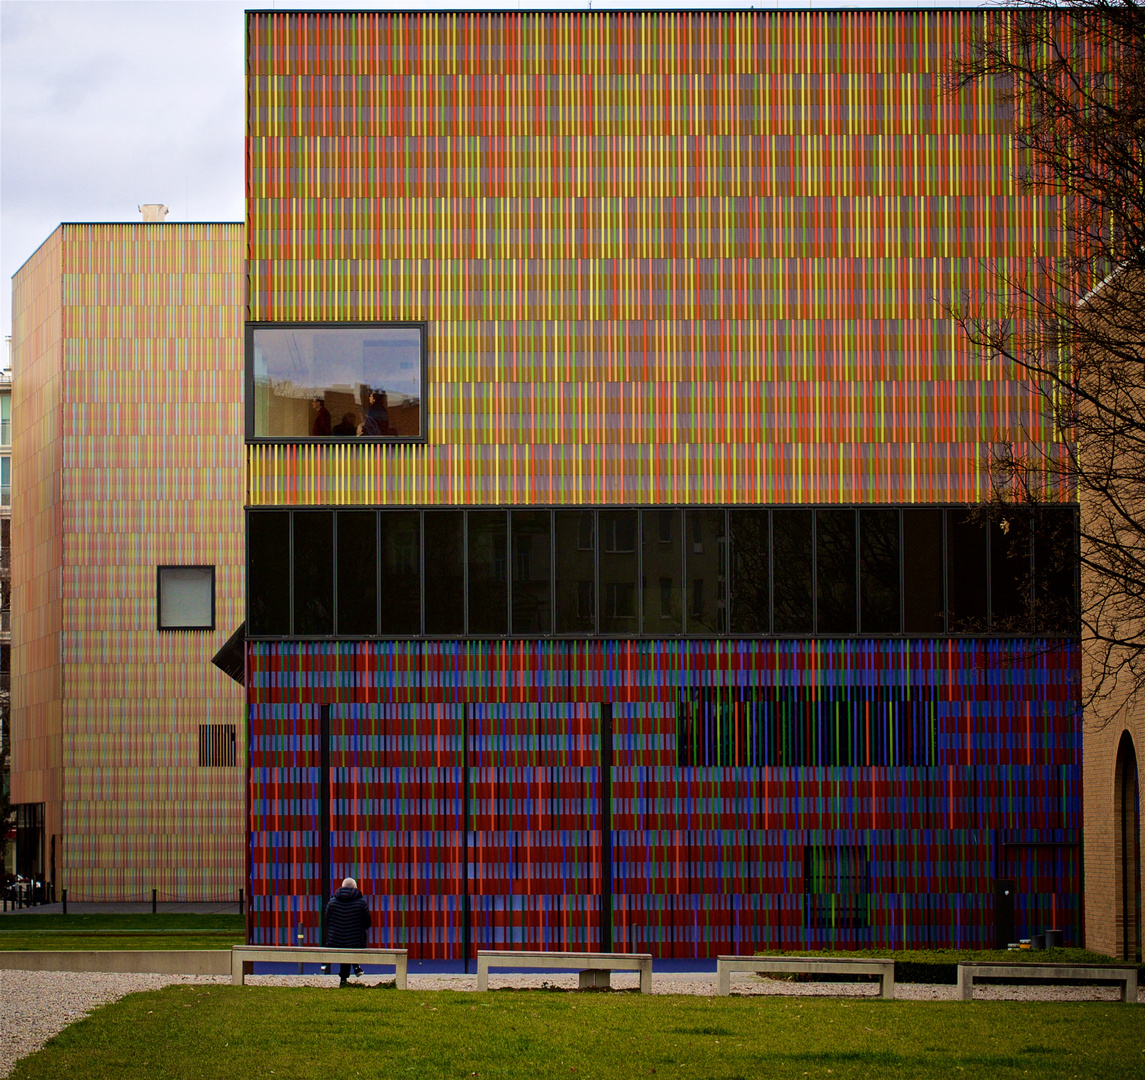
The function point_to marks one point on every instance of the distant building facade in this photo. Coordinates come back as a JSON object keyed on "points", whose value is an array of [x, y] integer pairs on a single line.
{"points": [[609, 577], [127, 486]]}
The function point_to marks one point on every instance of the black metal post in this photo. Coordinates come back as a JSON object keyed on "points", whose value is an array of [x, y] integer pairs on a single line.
{"points": [[64, 899], [606, 827], [154, 907], [466, 933], [240, 901]]}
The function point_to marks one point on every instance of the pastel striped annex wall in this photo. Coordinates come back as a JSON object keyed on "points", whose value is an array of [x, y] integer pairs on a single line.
{"points": [[143, 414], [753, 794], [37, 546], [670, 257]]}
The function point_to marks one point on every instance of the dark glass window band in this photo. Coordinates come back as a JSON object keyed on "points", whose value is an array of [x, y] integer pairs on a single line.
{"points": [[710, 571]]}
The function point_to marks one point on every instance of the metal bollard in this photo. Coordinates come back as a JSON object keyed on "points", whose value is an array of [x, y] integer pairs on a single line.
{"points": [[153, 907], [300, 941], [64, 899], [240, 901]]}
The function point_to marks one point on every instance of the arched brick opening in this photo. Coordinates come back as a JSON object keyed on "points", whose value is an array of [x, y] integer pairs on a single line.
{"points": [[1127, 848]]}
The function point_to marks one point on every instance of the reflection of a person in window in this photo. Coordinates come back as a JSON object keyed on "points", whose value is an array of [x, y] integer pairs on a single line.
{"points": [[348, 426], [379, 410], [321, 426]]}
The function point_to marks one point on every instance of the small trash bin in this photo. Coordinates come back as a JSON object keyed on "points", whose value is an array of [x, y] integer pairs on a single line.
{"points": [[1037, 942], [1053, 939]]}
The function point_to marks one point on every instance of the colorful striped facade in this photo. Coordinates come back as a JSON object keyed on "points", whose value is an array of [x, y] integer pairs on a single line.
{"points": [[127, 343], [663, 259]]}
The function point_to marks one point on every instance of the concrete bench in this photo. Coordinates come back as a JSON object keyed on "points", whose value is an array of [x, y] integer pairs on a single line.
{"points": [[594, 968], [303, 954], [884, 969], [1125, 977]]}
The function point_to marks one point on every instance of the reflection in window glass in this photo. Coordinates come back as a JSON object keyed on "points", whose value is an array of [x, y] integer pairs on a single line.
{"points": [[663, 600], [399, 545], [791, 531], [879, 571], [445, 579], [618, 571], [313, 572], [705, 555], [336, 381], [966, 573], [268, 573], [488, 572], [1010, 578], [1055, 565], [357, 572], [922, 571], [532, 563], [751, 572], [835, 580], [576, 571]]}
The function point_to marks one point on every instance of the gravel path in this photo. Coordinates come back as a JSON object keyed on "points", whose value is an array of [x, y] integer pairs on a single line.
{"points": [[39, 1004]]}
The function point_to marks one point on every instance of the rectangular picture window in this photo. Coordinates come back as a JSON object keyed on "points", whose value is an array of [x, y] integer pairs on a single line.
{"points": [[186, 597], [268, 573], [343, 381]]}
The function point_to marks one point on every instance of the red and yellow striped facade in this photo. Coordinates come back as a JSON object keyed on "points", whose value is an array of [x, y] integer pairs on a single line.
{"points": [[127, 343], [663, 257]]}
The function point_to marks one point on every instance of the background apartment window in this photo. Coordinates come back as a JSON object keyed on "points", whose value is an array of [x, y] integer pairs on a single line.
{"points": [[309, 381], [186, 597]]}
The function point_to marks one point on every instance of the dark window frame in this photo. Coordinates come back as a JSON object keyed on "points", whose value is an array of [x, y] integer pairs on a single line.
{"points": [[422, 326], [159, 597]]}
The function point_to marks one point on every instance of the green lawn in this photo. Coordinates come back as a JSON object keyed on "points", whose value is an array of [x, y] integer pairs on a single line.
{"points": [[225, 1032], [138, 922], [26, 932]]}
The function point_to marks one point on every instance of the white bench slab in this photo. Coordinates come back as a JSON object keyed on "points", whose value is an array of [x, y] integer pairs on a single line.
{"points": [[1125, 977], [792, 965], [594, 968], [311, 954]]}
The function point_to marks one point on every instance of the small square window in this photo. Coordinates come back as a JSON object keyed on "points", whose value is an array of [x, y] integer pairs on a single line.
{"points": [[186, 597]]}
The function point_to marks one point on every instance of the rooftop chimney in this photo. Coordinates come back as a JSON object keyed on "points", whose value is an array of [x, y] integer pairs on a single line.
{"points": [[154, 211]]}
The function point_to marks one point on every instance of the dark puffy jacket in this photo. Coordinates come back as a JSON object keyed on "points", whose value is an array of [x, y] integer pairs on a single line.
{"points": [[347, 920]]}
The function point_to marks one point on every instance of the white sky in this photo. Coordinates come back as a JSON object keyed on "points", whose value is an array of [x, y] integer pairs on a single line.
{"points": [[104, 106]]}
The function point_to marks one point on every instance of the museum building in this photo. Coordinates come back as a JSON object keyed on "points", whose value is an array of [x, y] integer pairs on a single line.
{"points": [[609, 443]]}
